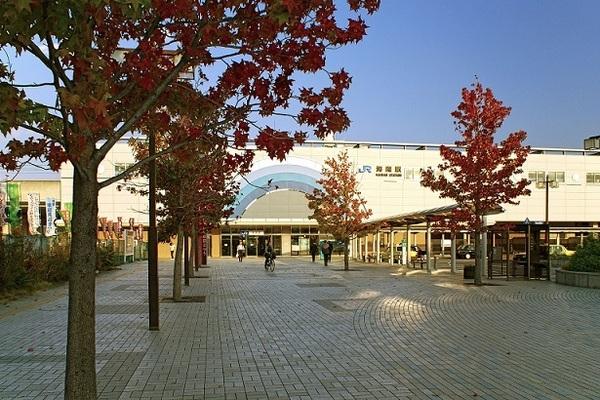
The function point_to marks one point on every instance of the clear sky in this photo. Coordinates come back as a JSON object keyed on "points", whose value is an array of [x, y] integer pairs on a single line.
{"points": [[541, 57]]}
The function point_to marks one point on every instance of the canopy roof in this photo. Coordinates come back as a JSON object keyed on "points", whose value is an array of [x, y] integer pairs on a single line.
{"points": [[418, 217]]}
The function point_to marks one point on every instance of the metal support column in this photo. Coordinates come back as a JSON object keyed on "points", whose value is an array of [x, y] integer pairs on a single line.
{"points": [[408, 245], [428, 246], [377, 251], [392, 246], [453, 253]]}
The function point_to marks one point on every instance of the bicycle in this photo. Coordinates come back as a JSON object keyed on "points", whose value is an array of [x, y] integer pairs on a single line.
{"points": [[270, 264]]}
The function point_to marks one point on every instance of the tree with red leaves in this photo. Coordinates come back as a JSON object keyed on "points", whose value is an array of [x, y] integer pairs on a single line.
{"points": [[196, 186], [338, 207], [244, 54], [479, 174]]}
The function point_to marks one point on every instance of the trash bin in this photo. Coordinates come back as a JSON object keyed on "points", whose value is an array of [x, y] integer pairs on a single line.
{"points": [[469, 272]]}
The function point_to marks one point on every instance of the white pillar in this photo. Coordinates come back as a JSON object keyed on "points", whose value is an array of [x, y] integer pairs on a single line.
{"points": [[407, 245], [484, 244], [453, 253], [392, 245], [443, 247], [373, 250], [378, 244], [428, 246], [360, 248]]}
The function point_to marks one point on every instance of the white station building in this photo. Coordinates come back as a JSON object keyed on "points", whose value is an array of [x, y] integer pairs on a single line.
{"points": [[389, 176]]}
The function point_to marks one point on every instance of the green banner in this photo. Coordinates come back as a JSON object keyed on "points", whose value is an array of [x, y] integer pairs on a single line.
{"points": [[14, 204]]}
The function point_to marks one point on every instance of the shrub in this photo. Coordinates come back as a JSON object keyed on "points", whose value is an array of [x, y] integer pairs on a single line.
{"points": [[105, 256], [587, 257]]}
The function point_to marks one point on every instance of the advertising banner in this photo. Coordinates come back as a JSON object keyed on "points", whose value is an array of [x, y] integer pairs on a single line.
{"points": [[3, 197], [14, 199], [33, 212], [50, 216]]}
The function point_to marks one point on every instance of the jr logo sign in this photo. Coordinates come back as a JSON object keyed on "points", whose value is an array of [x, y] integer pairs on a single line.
{"points": [[365, 169]]}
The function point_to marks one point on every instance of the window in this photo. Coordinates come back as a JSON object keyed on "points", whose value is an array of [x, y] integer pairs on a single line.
{"points": [[409, 173], [592, 178], [556, 176], [121, 167]]}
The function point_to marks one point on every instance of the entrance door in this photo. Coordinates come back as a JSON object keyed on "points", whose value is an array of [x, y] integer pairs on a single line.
{"points": [[262, 245], [251, 246]]}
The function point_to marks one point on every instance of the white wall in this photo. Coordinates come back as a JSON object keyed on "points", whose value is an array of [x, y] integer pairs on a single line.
{"points": [[573, 201]]}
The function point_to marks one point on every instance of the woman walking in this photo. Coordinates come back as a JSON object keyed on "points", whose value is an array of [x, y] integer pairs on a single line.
{"points": [[241, 251]]}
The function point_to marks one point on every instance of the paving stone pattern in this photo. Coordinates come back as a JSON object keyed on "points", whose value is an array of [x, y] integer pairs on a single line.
{"points": [[310, 332]]}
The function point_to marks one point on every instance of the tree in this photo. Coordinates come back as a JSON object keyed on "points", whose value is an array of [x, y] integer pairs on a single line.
{"points": [[339, 208], [244, 54], [196, 187], [479, 174]]}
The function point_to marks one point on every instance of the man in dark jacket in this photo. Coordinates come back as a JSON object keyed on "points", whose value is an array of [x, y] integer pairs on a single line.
{"points": [[325, 251], [314, 249]]}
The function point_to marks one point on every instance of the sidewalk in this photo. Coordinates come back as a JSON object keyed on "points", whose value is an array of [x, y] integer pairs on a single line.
{"points": [[310, 332]]}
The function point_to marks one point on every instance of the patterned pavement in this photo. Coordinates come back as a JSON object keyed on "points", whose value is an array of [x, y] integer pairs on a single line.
{"points": [[310, 332]]}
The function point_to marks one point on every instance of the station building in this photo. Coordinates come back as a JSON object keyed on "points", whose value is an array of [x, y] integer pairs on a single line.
{"points": [[271, 204]]}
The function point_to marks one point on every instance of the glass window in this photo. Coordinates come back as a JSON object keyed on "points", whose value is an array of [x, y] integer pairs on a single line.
{"points": [[560, 177], [589, 177], [305, 230], [597, 178], [551, 176], [295, 229], [121, 167], [533, 176], [409, 173], [541, 176]]}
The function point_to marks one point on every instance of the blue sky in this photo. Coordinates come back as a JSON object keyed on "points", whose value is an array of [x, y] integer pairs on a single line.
{"points": [[541, 57]]}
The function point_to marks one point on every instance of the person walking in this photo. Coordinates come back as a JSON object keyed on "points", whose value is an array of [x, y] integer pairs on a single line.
{"points": [[172, 249], [314, 249], [241, 251], [325, 251]]}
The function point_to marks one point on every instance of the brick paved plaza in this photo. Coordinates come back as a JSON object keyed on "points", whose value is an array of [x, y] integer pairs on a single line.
{"points": [[310, 332]]}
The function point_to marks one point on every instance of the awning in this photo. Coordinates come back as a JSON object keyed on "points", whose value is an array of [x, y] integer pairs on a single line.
{"points": [[417, 217]]}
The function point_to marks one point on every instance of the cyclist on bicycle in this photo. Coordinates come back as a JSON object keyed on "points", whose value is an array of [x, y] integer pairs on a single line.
{"points": [[269, 254]]}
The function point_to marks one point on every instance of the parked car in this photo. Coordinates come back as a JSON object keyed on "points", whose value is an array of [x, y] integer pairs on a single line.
{"points": [[556, 250], [465, 251], [560, 250]]}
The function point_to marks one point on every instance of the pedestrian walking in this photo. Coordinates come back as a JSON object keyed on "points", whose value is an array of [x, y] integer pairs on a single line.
{"points": [[241, 251], [325, 251], [172, 249], [314, 249]]}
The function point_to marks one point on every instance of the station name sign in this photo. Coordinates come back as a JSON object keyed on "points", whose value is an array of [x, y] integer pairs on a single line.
{"points": [[381, 170]]}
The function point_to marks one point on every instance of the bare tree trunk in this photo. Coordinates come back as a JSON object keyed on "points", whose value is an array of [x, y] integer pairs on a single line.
{"points": [[80, 376], [177, 264], [194, 255], [346, 263], [186, 260], [478, 259]]}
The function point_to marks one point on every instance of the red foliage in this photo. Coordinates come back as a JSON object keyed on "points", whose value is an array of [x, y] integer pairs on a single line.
{"points": [[244, 53], [338, 207], [479, 174]]}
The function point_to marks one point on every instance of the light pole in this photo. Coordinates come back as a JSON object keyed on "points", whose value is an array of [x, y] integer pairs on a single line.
{"points": [[547, 183]]}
